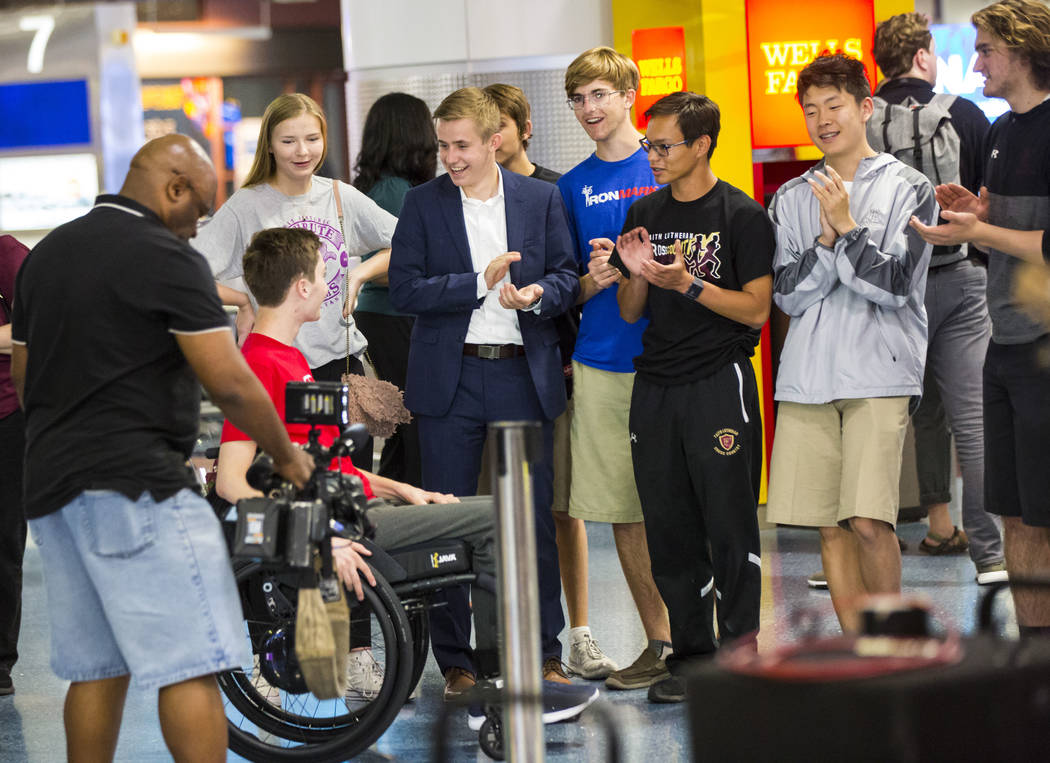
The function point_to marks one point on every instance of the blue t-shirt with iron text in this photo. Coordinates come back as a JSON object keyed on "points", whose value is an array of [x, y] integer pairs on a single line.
{"points": [[597, 194]]}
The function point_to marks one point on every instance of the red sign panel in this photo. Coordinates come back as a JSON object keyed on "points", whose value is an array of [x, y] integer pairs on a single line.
{"points": [[660, 56], [781, 39]]}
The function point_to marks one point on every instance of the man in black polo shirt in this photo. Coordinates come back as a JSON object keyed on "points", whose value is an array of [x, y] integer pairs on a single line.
{"points": [[698, 254], [115, 314]]}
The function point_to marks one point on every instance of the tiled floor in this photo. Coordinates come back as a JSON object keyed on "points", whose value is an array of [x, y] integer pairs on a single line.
{"points": [[31, 720]]}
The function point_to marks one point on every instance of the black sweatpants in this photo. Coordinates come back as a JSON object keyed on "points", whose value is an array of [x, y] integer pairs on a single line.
{"points": [[12, 535], [697, 453]]}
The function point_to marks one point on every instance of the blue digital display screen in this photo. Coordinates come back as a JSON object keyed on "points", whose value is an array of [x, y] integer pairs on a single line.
{"points": [[955, 57], [44, 114]]}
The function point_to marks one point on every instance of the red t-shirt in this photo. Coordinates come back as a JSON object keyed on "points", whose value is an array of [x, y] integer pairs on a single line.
{"points": [[276, 364], [12, 253]]}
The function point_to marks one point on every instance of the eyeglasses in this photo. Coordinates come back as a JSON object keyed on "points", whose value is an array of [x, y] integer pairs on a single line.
{"points": [[198, 199], [579, 100], [662, 149]]}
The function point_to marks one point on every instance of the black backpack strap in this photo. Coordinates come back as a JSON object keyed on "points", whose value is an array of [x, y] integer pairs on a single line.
{"points": [[886, 130], [916, 137]]}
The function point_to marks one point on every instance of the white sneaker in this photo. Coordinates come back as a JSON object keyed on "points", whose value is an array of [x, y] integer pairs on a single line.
{"points": [[587, 659], [992, 573], [364, 676], [266, 690]]}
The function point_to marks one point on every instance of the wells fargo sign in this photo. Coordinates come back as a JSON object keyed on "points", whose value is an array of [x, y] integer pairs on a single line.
{"points": [[781, 39], [660, 55]]}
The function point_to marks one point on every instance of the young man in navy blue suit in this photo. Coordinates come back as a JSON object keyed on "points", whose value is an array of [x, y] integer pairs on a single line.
{"points": [[483, 258]]}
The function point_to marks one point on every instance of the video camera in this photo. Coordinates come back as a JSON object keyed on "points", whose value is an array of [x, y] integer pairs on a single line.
{"points": [[287, 525]]}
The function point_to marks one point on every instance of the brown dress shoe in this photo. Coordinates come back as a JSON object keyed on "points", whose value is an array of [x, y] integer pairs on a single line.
{"points": [[554, 670], [457, 681]]}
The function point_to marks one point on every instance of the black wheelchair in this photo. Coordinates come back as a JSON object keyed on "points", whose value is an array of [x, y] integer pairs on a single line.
{"points": [[271, 714]]}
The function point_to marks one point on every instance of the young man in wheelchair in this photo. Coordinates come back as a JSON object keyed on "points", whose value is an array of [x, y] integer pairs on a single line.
{"points": [[286, 274]]}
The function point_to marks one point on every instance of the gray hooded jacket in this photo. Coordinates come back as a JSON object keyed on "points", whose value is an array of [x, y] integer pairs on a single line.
{"points": [[858, 322]]}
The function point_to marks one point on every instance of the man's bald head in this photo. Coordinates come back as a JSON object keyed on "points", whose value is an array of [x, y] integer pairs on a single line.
{"points": [[172, 176]]}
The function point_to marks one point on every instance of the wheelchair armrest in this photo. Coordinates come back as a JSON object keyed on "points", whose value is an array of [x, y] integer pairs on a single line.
{"points": [[423, 561], [408, 589], [486, 582], [384, 563]]}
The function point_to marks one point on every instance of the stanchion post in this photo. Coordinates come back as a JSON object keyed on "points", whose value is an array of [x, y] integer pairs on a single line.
{"points": [[518, 445]]}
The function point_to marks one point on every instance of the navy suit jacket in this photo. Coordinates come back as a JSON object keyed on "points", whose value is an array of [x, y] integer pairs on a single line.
{"points": [[431, 276]]}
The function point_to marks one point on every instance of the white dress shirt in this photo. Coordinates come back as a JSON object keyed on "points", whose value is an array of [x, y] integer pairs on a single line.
{"points": [[486, 223]]}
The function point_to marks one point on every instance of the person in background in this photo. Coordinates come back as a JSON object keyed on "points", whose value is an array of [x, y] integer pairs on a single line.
{"points": [[600, 85], [957, 311], [12, 443], [283, 190], [586, 657], [398, 152], [1009, 220], [515, 125]]}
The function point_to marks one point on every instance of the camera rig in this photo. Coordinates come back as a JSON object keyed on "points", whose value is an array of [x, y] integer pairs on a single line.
{"points": [[287, 524]]}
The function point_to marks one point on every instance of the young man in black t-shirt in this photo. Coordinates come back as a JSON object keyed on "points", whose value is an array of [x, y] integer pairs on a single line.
{"points": [[698, 255], [515, 125], [1010, 220]]}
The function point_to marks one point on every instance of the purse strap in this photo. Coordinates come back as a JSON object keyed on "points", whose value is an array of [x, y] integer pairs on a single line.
{"points": [[346, 282]]}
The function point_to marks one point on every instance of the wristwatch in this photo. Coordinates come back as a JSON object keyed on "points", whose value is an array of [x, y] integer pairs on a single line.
{"points": [[694, 289]]}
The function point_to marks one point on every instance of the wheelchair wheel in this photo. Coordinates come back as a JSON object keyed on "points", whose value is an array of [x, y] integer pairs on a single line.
{"points": [[490, 737], [280, 722], [419, 625]]}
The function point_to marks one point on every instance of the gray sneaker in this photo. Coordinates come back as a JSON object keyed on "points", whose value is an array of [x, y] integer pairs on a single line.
{"points": [[643, 672], [586, 658], [364, 676]]}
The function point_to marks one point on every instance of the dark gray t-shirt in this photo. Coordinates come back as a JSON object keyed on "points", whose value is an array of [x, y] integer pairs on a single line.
{"points": [[1017, 175]]}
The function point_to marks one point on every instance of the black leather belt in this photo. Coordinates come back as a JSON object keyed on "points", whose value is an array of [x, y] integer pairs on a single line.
{"points": [[493, 351]]}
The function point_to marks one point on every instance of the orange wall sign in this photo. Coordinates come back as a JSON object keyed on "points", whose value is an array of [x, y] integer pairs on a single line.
{"points": [[660, 55], [782, 37]]}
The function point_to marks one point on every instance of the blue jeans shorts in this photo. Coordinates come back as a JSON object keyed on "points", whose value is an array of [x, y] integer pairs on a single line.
{"points": [[139, 587]]}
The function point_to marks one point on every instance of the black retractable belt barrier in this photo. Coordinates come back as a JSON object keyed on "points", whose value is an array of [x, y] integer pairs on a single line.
{"points": [[990, 704]]}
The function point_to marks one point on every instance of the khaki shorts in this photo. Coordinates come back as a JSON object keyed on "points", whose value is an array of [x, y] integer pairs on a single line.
{"points": [[837, 460], [602, 471], [562, 459]]}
